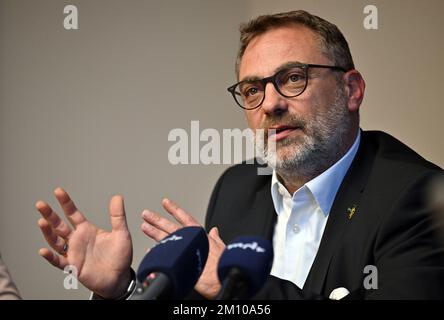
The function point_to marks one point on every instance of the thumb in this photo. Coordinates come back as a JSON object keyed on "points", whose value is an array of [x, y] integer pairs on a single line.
{"points": [[214, 233], [117, 214], [216, 239]]}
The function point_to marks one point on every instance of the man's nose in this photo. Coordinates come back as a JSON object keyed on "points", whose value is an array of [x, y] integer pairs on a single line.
{"points": [[274, 102]]}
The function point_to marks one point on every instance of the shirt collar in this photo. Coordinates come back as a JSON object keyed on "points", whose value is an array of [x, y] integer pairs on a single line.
{"points": [[323, 187]]}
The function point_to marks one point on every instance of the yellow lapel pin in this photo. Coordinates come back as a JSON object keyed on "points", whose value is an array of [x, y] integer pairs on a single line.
{"points": [[351, 211]]}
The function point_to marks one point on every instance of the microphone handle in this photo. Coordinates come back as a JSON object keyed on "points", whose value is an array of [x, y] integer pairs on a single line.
{"points": [[234, 287], [158, 289]]}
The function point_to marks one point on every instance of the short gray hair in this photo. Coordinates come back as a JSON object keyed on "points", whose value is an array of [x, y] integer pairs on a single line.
{"points": [[332, 41]]}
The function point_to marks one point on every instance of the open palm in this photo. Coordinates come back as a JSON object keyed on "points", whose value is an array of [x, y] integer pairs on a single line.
{"points": [[102, 258]]}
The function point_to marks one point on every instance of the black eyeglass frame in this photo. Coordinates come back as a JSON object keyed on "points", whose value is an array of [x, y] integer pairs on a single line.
{"points": [[272, 79]]}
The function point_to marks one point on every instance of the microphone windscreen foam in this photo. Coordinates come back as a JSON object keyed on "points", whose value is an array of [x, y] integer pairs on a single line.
{"points": [[253, 256], [181, 256]]}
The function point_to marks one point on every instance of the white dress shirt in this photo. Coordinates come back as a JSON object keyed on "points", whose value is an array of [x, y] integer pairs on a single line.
{"points": [[302, 218]]}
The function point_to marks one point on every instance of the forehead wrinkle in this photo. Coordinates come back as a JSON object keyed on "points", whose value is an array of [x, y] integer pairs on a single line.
{"points": [[289, 43], [285, 65]]}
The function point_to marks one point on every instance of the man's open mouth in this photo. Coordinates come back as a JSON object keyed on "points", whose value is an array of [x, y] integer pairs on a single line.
{"points": [[281, 132]]}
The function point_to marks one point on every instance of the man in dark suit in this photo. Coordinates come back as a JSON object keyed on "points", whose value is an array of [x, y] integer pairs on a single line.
{"points": [[340, 203], [391, 226]]}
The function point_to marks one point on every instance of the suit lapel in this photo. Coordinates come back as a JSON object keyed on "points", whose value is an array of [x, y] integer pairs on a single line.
{"points": [[262, 214], [346, 204]]}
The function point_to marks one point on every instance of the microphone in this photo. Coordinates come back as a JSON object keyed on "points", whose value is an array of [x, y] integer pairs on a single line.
{"points": [[171, 268], [244, 267]]}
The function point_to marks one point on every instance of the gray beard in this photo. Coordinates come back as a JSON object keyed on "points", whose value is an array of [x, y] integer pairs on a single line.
{"points": [[320, 147]]}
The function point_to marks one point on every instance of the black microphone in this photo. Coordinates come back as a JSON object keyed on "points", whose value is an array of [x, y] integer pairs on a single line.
{"points": [[244, 267], [171, 269]]}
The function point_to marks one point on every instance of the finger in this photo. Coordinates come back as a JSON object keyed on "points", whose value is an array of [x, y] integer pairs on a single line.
{"points": [[156, 220], [117, 214], [51, 237], [59, 226], [214, 235], [69, 208], [179, 214], [56, 260], [214, 232], [153, 232]]}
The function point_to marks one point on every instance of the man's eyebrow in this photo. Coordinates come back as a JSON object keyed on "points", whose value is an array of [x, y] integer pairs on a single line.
{"points": [[250, 78], [286, 65]]}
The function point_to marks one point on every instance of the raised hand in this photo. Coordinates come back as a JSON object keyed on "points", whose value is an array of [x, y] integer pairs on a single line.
{"points": [[102, 258], [157, 228]]}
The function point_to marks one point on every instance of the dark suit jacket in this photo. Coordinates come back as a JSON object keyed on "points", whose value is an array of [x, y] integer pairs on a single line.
{"points": [[392, 228]]}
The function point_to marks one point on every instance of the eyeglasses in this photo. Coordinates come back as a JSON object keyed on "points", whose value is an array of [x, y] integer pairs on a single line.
{"points": [[289, 82]]}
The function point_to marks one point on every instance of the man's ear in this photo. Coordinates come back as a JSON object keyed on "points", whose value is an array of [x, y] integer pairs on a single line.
{"points": [[354, 89]]}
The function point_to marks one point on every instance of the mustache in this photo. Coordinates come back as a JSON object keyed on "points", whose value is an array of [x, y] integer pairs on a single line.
{"points": [[293, 121]]}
